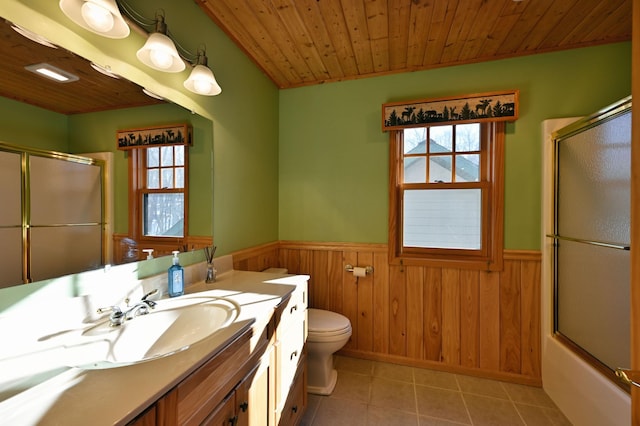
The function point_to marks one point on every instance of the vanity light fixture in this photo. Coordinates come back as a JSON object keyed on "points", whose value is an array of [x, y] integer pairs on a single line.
{"points": [[52, 73], [159, 52], [98, 16], [201, 80]]}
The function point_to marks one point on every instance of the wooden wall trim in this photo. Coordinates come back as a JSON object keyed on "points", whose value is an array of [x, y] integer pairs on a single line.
{"points": [[531, 255], [255, 251], [312, 245], [160, 248]]}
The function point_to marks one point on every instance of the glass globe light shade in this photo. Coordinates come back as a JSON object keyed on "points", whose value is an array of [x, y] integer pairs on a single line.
{"points": [[161, 54], [97, 17], [202, 82]]}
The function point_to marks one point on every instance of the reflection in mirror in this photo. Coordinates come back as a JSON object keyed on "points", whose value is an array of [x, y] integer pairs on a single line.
{"points": [[82, 118]]}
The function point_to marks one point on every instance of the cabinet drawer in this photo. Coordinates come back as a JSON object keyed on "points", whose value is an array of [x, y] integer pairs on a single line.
{"points": [[293, 409], [293, 309], [288, 354]]}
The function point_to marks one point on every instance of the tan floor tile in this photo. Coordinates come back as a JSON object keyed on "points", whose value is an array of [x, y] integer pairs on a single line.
{"points": [[442, 404], [378, 416], [484, 387], [530, 395], [352, 386], [340, 412], [542, 416], [436, 379], [487, 411], [431, 421], [391, 394], [313, 402], [354, 365], [400, 373]]}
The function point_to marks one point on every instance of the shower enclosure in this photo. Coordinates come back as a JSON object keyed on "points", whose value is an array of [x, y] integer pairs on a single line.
{"points": [[592, 237]]}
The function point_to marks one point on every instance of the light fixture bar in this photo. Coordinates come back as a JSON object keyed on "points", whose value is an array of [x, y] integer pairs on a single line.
{"points": [[52, 73]]}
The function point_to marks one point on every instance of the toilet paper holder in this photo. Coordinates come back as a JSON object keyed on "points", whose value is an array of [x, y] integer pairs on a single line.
{"points": [[349, 268]]}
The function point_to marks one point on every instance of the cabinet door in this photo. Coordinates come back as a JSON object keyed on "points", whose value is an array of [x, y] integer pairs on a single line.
{"points": [[224, 415], [252, 398]]}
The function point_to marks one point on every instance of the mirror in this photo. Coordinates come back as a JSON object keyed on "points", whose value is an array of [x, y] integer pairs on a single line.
{"points": [[83, 117]]}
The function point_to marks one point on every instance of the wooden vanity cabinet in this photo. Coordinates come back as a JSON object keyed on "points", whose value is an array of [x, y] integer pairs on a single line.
{"points": [[247, 404], [257, 380], [236, 378]]}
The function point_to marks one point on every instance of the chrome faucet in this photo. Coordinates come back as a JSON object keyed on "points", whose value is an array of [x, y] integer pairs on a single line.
{"points": [[118, 317]]}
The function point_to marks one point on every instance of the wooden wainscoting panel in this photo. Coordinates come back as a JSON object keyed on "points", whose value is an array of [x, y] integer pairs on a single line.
{"points": [[335, 281], [510, 317], [469, 318], [257, 258], [451, 316], [364, 294], [319, 283], [461, 320], [350, 297], [415, 325], [531, 318], [290, 258], [489, 306], [432, 314], [381, 306], [398, 311]]}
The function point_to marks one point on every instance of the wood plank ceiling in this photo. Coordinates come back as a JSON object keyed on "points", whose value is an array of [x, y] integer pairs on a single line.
{"points": [[305, 42], [91, 93]]}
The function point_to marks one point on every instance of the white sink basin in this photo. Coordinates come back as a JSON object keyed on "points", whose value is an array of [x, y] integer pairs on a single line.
{"points": [[173, 326]]}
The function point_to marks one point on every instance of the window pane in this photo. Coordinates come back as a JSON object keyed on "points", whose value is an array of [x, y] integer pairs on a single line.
{"points": [[440, 168], [153, 157], [415, 170], [414, 140], [166, 156], [153, 179], [468, 137], [180, 177], [441, 139], [468, 168], [443, 218], [167, 178], [179, 155], [163, 215]]}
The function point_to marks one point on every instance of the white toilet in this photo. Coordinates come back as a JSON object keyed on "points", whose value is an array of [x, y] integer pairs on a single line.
{"points": [[328, 333]]}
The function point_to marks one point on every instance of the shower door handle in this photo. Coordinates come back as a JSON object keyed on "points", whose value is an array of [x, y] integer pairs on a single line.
{"points": [[630, 377]]}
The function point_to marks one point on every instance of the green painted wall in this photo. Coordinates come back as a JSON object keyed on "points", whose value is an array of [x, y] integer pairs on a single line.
{"points": [[334, 157], [26, 125]]}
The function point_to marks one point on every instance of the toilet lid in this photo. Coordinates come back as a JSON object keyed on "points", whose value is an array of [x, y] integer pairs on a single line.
{"points": [[321, 321]]}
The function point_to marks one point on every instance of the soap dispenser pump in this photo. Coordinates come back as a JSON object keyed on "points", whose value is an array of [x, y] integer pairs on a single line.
{"points": [[176, 277]]}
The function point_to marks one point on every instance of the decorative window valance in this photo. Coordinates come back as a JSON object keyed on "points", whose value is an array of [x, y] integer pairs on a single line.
{"points": [[493, 106], [174, 134]]}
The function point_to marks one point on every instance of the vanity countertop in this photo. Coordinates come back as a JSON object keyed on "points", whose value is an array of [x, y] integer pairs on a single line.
{"points": [[115, 396]]}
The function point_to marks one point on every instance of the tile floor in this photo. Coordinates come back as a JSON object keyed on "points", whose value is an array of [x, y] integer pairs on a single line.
{"points": [[376, 393]]}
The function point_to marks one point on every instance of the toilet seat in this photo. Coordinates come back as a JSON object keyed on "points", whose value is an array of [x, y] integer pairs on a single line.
{"points": [[326, 324]]}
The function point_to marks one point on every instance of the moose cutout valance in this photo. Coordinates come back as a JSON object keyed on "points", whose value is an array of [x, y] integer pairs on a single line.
{"points": [[493, 106], [146, 137]]}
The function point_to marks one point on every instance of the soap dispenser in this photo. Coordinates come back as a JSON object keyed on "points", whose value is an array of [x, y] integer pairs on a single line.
{"points": [[176, 277]]}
